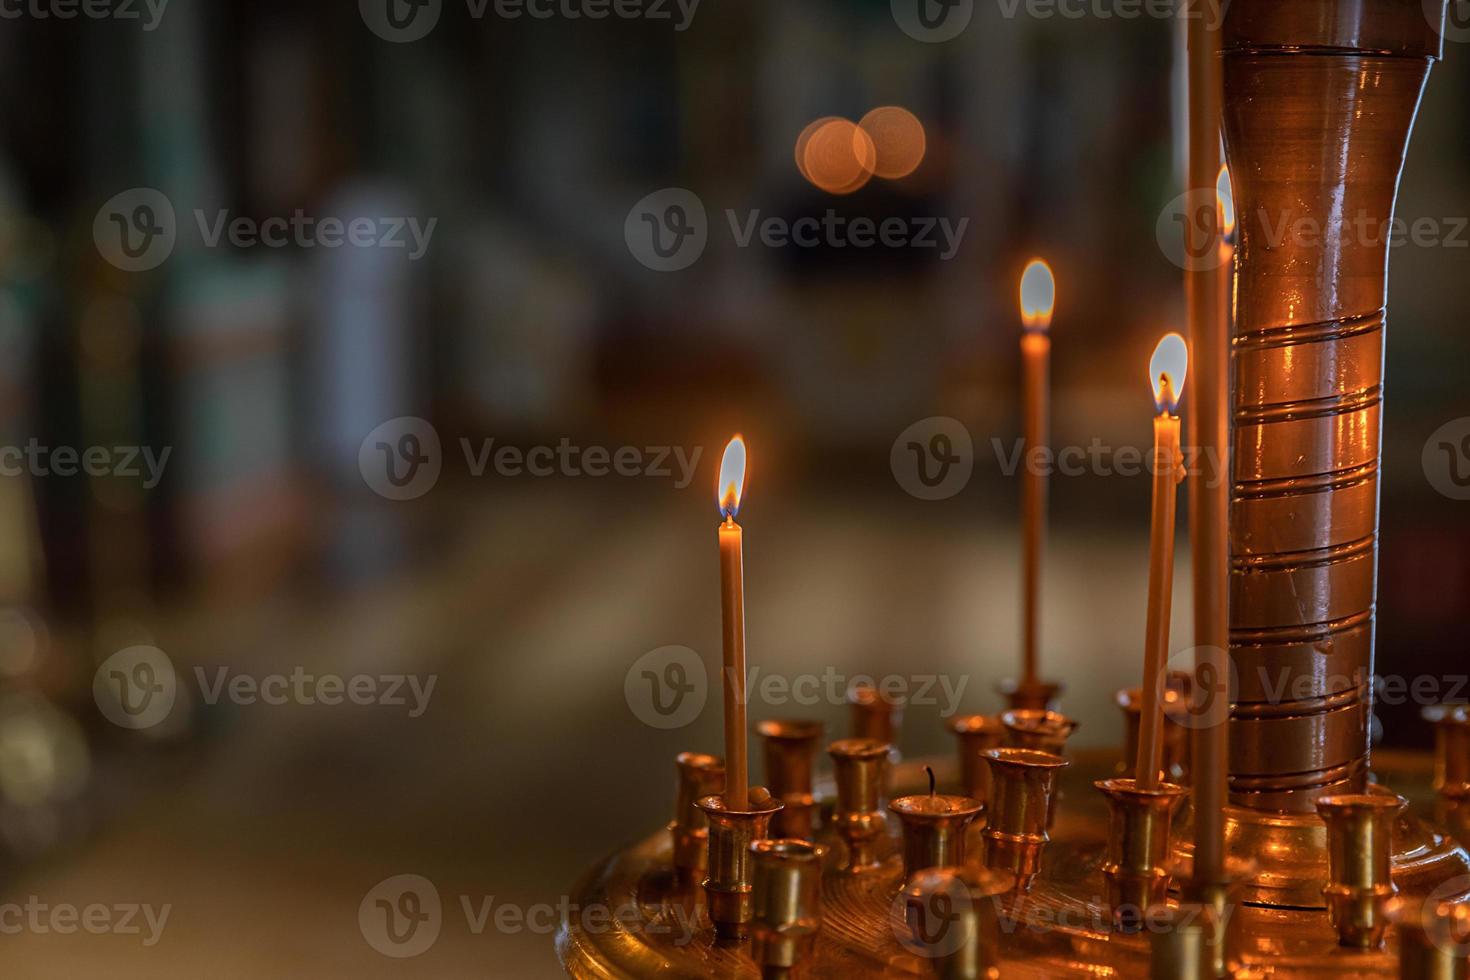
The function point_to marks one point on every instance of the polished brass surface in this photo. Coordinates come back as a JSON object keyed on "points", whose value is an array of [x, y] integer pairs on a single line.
{"points": [[1451, 749], [1022, 785], [1026, 695], [874, 714], [1320, 98], [786, 904], [1434, 939], [975, 734], [699, 776], [1138, 847], [727, 885], [1176, 734], [953, 918], [1044, 731], [934, 827], [1179, 943], [859, 766], [790, 751], [1359, 864]]}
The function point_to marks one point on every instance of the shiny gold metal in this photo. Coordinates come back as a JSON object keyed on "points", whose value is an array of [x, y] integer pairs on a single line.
{"points": [[934, 828], [1434, 939], [790, 757], [874, 714], [1138, 847], [1179, 946], [1176, 735], [786, 903], [975, 734], [1022, 784], [954, 921], [728, 886], [859, 766], [1359, 852], [1451, 749], [699, 775], [1320, 98], [1026, 695], [1044, 731]]}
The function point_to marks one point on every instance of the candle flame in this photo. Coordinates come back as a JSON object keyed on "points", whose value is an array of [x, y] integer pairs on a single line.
{"points": [[1167, 370], [1225, 198], [1038, 296], [732, 478]]}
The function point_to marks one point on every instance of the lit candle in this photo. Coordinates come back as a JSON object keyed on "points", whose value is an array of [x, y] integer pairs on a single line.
{"points": [[1166, 370], [732, 617], [1038, 299]]}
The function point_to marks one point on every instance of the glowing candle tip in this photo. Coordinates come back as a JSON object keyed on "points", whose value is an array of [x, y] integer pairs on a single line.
{"points": [[1038, 295], [1167, 370], [732, 478]]}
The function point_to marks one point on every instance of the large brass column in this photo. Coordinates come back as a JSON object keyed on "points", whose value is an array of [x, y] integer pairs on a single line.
{"points": [[1320, 98]]}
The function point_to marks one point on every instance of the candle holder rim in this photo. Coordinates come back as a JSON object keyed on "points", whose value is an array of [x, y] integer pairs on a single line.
{"points": [[1026, 757], [1127, 786], [702, 761], [714, 805], [977, 724], [1446, 714], [787, 850], [1038, 720], [981, 880], [859, 748], [790, 729], [963, 806], [1337, 803]]}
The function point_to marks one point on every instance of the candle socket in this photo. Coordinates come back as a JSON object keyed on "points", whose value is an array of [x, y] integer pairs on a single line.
{"points": [[1138, 846], [699, 776], [1042, 730], [1434, 938], [1024, 695], [875, 715], [1176, 735], [934, 828], [786, 904], [728, 885], [859, 767], [790, 757], [1451, 749], [1179, 948], [1359, 849], [975, 734], [1022, 783], [953, 919]]}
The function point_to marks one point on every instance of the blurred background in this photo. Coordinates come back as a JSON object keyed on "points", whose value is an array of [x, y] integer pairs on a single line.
{"points": [[250, 403]]}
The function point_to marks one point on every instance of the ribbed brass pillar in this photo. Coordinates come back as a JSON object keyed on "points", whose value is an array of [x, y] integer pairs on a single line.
{"points": [[1319, 101]]}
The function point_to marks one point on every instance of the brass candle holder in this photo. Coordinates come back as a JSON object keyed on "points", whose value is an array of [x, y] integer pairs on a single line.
{"points": [[1044, 731], [1176, 735], [790, 757], [975, 734], [1179, 947], [874, 714], [1451, 749], [1033, 695], [1359, 852], [859, 767], [1022, 784], [1434, 939], [700, 775], [1138, 846], [728, 887], [786, 905], [934, 826], [952, 917]]}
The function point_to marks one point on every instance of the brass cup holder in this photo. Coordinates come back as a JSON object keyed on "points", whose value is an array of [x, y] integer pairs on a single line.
{"points": [[952, 919], [786, 903], [859, 769], [699, 776], [1022, 784], [975, 734], [1359, 855], [1044, 731], [934, 828], [1024, 695], [790, 759], [728, 887], [1138, 847]]}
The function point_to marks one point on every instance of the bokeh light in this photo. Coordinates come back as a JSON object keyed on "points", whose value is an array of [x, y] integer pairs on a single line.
{"points": [[898, 140]]}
